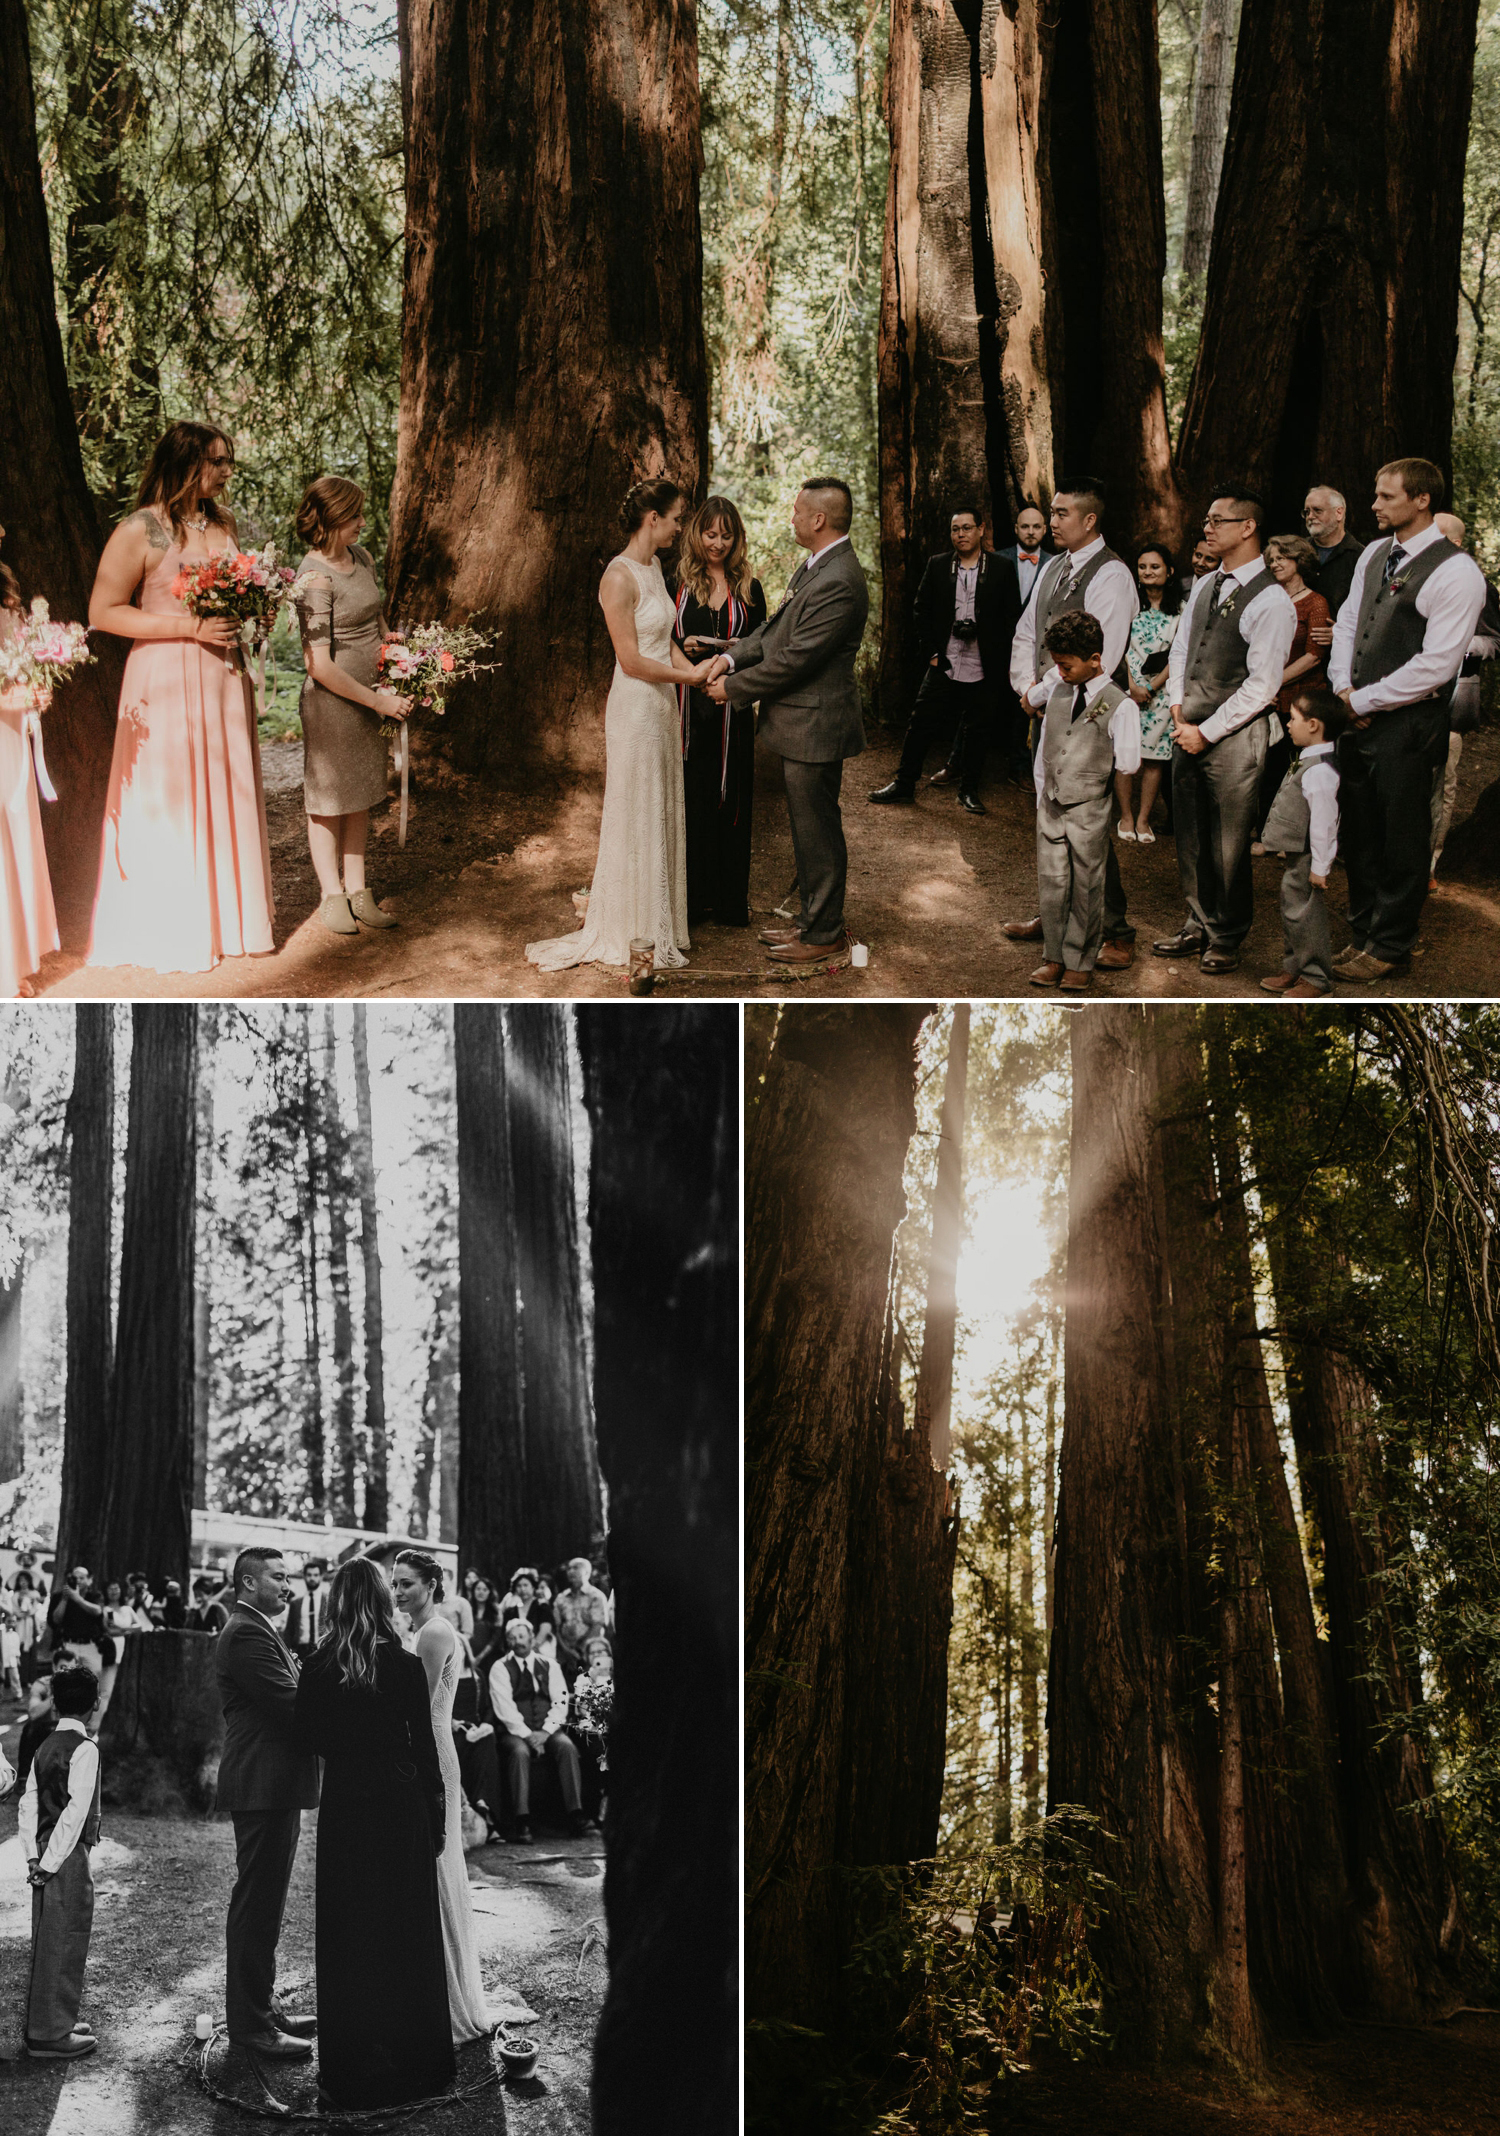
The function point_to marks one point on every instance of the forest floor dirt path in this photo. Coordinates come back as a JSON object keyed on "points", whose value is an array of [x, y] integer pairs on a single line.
{"points": [[929, 887], [1442, 2080], [157, 1958]]}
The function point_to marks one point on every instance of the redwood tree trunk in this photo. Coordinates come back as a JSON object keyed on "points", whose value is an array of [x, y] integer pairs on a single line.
{"points": [[826, 1459], [149, 1471], [377, 1494], [940, 1323], [208, 1031], [663, 1208], [494, 1515], [552, 340], [559, 1472], [343, 1481], [965, 407], [12, 1403], [52, 537], [91, 1162], [1330, 325], [1212, 73]]}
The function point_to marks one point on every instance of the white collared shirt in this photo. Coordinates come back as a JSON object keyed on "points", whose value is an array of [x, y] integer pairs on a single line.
{"points": [[1029, 563], [1124, 731], [1450, 603], [503, 1699], [1320, 790], [83, 1778], [1267, 626], [1110, 597]]}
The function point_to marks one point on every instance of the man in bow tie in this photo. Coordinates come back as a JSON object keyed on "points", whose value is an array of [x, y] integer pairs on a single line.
{"points": [[266, 1781], [799, 665], [530, 1702]]}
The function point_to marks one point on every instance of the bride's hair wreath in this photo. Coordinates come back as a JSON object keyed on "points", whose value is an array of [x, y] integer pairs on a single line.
{"points": [[658, 495], [421, 1561]]}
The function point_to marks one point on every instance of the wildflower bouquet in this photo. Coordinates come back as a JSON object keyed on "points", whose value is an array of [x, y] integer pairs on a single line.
{"points": [[247, 586], [36, 658], [423, 666]]}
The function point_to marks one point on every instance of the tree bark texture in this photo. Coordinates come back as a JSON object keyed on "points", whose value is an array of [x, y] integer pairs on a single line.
{"points": [[552, 340], [661, 1093], [1107, 255], [91, 1173], [310, 1175], [964, 400], [940, 1323], [208, 1031], [362, 1152], [559, 1474], [847, 1523], [52, 535], [164, 1726], [1213, 72], [12, 1393], [344, 1479], [1347, 136], [149, 1470], [494, 1510]]}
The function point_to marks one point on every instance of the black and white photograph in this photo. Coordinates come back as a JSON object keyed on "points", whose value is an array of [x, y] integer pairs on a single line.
{"points": [[369, 1568]]}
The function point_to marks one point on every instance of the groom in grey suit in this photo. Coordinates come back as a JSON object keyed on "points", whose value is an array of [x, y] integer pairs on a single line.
{"points": [[800, 666]]}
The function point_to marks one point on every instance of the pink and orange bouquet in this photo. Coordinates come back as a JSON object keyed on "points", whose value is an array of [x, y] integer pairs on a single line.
{"points": [[424, 666], [247, 586], [41, 654]]}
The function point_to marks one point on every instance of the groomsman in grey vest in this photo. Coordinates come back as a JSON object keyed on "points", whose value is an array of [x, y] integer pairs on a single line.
{"points": [[799, 666], [1226, 666], [1398, 645], [1087, 575]]}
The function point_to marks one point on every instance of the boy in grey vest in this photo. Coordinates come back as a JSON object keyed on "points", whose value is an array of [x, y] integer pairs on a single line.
{"points": [[1090, 729], [1304, 824], [58, 1824]]}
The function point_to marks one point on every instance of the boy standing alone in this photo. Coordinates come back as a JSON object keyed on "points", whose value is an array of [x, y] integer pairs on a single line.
{"points": [[1304, 824], [59, 1823]]}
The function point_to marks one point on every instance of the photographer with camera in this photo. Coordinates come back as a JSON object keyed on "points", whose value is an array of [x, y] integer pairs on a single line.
{"points": [[966, 612]]}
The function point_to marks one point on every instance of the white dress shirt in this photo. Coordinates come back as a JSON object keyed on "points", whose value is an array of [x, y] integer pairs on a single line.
{"points": [[1028, 563], [964, 663], [1320, 789], [1450, 602], [548, 1675], [83, 1778], [1268, 626], [1124, 732], [1110, 596]]}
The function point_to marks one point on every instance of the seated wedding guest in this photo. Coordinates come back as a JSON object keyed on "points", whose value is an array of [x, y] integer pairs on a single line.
{"points": [[58, 1824], [577, 1609], [967, 606], [593, 1697], [185, 866], [529, 1699], [1465, 710], [1146, 656], [1335, 553], [1398, 645], [306, 1612], [362, 1704], [41, 1718], [346, 754], [1304, 825], [1090, 730], [1289, 559], [487, 1641], [718, 598], [28, 922]]}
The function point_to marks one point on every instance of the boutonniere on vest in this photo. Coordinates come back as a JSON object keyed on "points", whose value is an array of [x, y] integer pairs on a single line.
{"points": [[1395, 585], [1227, 608]]}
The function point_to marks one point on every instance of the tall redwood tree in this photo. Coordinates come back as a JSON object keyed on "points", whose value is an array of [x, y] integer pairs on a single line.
{"points": [[493, 1528], [91, 1178], [552, 338]]}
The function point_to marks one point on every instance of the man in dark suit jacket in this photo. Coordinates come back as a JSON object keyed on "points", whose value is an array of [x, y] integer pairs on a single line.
{"points": [[304, 1619], [967, 608], [1323, 514], [266, 1781], [800, 666]]}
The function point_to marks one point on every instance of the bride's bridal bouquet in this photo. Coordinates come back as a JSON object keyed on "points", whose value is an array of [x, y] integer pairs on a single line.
{"points": [[424, 665], [36, 658], [246, 586]]}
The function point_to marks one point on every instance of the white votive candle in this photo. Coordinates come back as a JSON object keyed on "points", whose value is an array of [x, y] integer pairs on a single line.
{"points": [[859, 956], [203, 2025]]}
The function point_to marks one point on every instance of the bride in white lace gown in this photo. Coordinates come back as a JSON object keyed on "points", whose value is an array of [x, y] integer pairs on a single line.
{"points": [[640, 876], [417, 1581]]}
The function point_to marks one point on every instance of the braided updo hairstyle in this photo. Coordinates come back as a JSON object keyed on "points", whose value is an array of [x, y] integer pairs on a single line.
{"points": [[426, 1567], [658, 495]]}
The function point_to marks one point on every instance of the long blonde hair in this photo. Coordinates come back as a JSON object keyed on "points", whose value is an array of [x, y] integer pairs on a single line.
{"points": [[693, 570], [361, 1618]]}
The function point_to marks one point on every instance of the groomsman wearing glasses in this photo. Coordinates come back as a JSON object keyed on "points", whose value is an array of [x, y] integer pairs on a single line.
{"points": [[1228, 656], [1398, 644]]}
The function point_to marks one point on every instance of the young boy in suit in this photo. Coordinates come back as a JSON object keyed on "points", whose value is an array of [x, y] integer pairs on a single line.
{"points": [[41, 1719], [1304, 825], [1091, 728], [58, 1825]]}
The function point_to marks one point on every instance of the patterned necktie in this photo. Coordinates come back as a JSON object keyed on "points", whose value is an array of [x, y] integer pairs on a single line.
{"points": [[1080, 698], [1393, 563], [1220, 582]]}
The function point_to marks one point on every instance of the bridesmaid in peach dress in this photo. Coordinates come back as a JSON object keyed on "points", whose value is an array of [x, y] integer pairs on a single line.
{"points": [[185, 875], [28, 924]]}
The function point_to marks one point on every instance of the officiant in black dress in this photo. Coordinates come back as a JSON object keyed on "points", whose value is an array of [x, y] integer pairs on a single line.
{"points": [[384, 2036], [717, 599]]}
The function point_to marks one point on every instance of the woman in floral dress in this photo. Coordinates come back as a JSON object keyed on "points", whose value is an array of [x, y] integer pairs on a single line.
{"points": [[1151, 636]]}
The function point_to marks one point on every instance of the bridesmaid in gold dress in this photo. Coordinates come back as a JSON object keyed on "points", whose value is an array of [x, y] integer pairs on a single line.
{"points": [[345, 754], [185, 873]]}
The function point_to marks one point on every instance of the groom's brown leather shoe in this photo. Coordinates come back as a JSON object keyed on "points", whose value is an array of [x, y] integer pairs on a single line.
{"points": [[1023, 930], [277, 2046], [777, 935], [800, 952]]}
